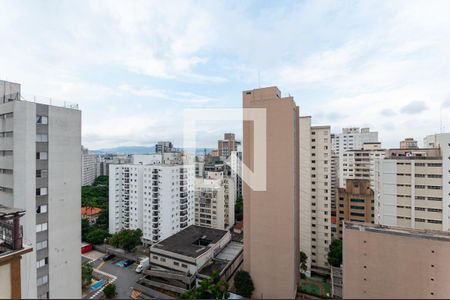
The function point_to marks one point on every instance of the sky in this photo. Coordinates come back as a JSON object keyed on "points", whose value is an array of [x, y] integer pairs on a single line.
{"points": [[133, 67]]}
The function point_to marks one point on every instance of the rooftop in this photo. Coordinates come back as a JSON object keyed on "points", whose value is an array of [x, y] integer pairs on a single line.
{"points": [[90, 211], [399, 231], [192, 241], [7, 212]]}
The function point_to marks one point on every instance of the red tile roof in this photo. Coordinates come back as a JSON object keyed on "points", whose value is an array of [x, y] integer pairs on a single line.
{"points": [[90, 211]]}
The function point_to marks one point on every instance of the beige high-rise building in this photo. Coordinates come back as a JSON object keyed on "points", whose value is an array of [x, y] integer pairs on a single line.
{"points": [[355, 203], [228, 144], [315, 194], [271, 217], [408, 143], [383, 262]]}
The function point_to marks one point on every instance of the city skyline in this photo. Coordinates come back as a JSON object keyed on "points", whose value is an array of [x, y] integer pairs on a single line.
{"points": [[368, 64]]}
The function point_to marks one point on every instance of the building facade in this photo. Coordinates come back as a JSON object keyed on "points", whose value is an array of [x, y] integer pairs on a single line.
{"points": [[88, 167], [412, 186], [271, 216], [383, 262], [215, 198], [355, 203], [151, 195], [360, 164], [40, 172], [408, 143], [227, 145]]}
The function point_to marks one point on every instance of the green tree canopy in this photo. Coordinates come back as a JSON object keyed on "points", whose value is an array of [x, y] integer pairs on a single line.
{"points": [[244, 284], [126, 239], [303, 261], [86, 273], [210, 288], [96, 236], [110, 291], [335, 253], [239, 209]]}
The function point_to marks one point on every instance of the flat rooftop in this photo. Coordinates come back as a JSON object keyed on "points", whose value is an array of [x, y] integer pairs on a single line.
{"points": [[192, 241], [6, 211], [399, 231]]}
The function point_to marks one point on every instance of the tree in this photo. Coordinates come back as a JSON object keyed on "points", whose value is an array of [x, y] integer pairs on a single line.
{"points": [[244, 284], [335, 253], [210, 288], [101, 180], [239, 209], [103, 219], [126, 239], [303, 262], [110, 291], [96, 236], [86, 273], [85, 226]]}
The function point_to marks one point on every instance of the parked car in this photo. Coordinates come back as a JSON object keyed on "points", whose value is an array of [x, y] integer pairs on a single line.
{"points": [[127, 263], [108, 257]]}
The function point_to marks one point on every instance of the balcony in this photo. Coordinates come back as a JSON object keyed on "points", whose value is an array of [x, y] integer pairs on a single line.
{"points": [[155, 182], [155, 171], [183, 206], [155, 195], [155, 214], [182, 182], [155, 177], [155, 219], [155, 201], [155, 225], [183, 219], [155, 238], [184, 225], [155, 231], [184, 201], [155, 189], [183, 213], [155, 207], [183, 195]]}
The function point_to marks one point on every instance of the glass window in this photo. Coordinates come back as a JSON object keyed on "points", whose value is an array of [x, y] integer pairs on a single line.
{"points": [[42, 155], [41, 138], [42, 209], [41, 120]]}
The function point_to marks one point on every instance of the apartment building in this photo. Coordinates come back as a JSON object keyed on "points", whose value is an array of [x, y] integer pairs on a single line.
{"points": [[352, 138], [412, 186], [154, 194], [104, 161], [235, 160], [271, 216], [355, 203], [227, 145], [384, 262], [40, 172], [88, 167], [215, 198], [360, 163], [408, 143], [315, 194], [11, 252]]}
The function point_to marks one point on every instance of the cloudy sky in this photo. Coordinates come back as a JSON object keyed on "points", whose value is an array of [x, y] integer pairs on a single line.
{"points": [[134, 66]]}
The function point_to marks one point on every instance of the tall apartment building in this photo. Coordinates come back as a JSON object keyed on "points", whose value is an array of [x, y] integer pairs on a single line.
{"points": [[412, 186], [315, 194], [383, 262], [163, 146], [236, 160], [408, 143], [360, 163], [271, 217], [40, 172], [227, 145], [355, 203], [154, 194], [104, 161], [352, 138], [88, 167], [215, 198]]}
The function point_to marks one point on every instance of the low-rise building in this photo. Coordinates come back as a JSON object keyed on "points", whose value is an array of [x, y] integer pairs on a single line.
{"points": [[383, 262], [180, 261], [91, 214]]}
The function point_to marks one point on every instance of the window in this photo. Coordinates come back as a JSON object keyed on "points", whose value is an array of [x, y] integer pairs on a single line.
{"points": [[42, 155], [41, 227], [42, 280], [41, 245], [176, 263], [41, 138], [184, 266], [41, 120], [42, 262], [41, 173], [42, 209], [41, 191]]}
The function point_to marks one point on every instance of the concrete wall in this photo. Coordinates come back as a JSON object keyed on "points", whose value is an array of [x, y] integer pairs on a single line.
{"points": [[395, 264], [64, 191]]}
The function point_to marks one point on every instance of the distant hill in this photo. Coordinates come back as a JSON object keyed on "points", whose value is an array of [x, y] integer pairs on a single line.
{"points": [[141, 150]]}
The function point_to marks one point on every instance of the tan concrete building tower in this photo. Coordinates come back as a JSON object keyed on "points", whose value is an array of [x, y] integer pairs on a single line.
{"points": [[271, 217], [227, 145], [383, 262], [355, 203]]}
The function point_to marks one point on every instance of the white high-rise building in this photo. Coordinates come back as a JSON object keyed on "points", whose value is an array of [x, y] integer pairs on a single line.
{"points": [[315, 194], [40, 172], [412, 186], [215, 198], [360, 163], [88, 167], [154, 194], [352, 138]]}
